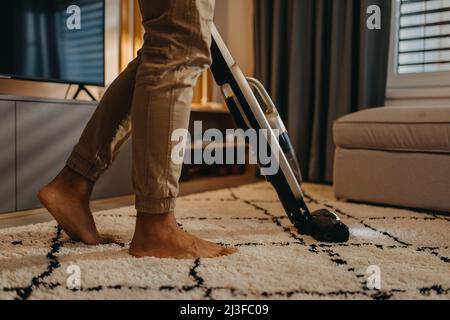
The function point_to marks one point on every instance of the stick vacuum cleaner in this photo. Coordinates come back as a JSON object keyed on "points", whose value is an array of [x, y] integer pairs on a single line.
{"points": [[240, 95]]}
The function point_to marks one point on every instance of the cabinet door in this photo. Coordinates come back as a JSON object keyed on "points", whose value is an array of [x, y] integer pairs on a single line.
{"points": [[7, 157], [46, 134]]}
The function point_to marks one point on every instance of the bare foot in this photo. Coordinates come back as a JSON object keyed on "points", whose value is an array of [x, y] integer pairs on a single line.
{"points": [[160, 236], [67, 199]]}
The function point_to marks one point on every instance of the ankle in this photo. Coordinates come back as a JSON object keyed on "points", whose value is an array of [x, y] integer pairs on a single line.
{"points": [[154, 225], [152, 222], [68, 179]]}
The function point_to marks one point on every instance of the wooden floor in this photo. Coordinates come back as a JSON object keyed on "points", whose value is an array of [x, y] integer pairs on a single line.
{"points": [[201, 185]]}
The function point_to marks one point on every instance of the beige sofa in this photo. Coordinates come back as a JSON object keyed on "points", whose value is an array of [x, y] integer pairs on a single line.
{"points": [[395, 156]]}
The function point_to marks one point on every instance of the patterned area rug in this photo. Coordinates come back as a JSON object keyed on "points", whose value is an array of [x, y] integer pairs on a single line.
{"points": [[408, 250]]}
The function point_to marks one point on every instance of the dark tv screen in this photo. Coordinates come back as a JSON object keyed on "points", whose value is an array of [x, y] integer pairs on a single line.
{"points": [[53, 40]]}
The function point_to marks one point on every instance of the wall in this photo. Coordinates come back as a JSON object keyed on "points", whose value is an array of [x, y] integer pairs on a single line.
{"points": [[418, 97], [51, 90], [417, 102], [234, 19]]}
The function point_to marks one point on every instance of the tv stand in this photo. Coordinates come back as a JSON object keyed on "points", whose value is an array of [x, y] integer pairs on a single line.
{"points": [[21, 173], [81, 88]]}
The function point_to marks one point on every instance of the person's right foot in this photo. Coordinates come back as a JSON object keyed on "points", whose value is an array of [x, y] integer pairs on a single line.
{"points": [[160, 236], [67, 199]]}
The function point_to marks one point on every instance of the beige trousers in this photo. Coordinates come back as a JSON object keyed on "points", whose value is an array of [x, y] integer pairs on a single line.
{"points": [[151, 98]]}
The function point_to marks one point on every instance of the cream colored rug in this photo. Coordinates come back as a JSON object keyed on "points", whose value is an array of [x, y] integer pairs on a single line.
{"points": [[408, 251]]}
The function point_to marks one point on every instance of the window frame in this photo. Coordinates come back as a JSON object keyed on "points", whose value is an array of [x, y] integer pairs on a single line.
{"points": [[434, 84]]}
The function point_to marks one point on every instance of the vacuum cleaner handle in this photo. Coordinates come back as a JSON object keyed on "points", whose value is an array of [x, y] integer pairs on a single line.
{"points": [[277, 123]]}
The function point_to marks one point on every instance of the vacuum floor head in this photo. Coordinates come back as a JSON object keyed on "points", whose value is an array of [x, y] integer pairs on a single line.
{"points": [[326, 226]]}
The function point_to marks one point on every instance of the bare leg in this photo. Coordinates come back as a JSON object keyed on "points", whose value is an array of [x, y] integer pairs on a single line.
{"points": [[160, 236]]}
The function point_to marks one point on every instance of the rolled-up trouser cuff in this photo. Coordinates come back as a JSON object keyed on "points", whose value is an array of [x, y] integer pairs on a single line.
{"points": [[84, 167], [155, 206]]}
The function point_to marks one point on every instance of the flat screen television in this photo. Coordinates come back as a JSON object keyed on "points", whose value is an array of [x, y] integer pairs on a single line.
{"points": [[53, 40]]}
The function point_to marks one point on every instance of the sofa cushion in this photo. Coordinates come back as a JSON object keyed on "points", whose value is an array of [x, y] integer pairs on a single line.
{"points": [[406, 129]]}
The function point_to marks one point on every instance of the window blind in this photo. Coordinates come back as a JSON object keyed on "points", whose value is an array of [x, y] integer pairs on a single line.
{"points": [[423, 36]]}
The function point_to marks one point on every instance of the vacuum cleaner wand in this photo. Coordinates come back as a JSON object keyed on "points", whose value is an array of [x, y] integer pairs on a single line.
{"points": [[239, 94]]}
